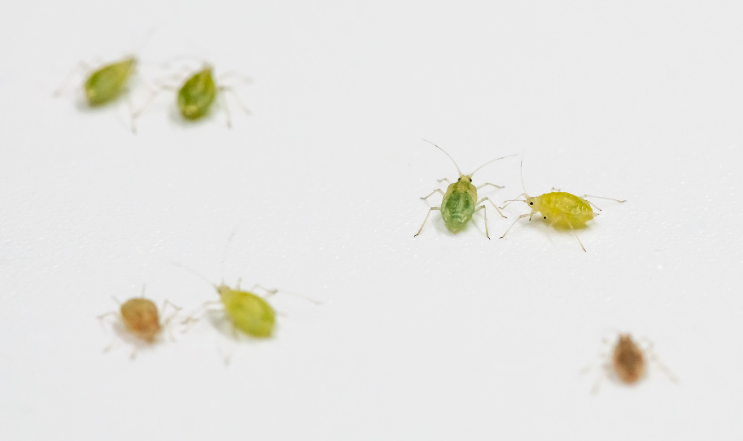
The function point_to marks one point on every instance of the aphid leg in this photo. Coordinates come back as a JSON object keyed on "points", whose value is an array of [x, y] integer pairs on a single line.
{"points": [[234, 74], [485, 214], [81, 66], [431, 194], [426, 219], [514, 223], [133, 355], [269, 292], [576, 236], [166, 322], [110, 345], [273, 292], [196, 316], [650, 351], [131, 110], [555, 189], [444, 179], [235, 95], [494, 206], [488, 183], [150, 99], [594, 205], [223, 103], [601, 197], [102, 316]]}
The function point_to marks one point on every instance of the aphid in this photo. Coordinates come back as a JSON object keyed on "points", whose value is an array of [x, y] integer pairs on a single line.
{"points": [[141, 319], [628, 362], [559, 208], [105, 84], [460, 200], [196, 96], [246, 311]]}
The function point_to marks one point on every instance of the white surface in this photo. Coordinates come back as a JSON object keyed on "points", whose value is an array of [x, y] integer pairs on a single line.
{"points": [[438, 337]]}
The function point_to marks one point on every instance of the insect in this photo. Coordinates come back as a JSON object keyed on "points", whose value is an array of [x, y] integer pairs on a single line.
{"points": [[246, 311], [628, 362], [140, 318], [105, 84], [561, 209], [196, 96], [460, 200]]}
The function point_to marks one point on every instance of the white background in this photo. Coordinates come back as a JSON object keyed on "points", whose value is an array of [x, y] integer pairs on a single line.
{"points": [[439, 337]]}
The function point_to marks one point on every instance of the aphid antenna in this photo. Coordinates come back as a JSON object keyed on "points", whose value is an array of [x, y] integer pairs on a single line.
{"points": [[521, 174], [493, 160], [452, 159], [224, 253], [194, 272], [273, 292]]}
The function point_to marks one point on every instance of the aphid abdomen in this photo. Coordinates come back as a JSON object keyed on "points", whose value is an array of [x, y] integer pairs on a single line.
{"points": [[197, 95], [628, 360], [249, 313], [565, 210], [141, 318], [457, 209], [108, 82]]}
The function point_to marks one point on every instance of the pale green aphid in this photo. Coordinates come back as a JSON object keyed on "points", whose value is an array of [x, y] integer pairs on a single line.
{"points": [[561, 209], [248, 312], [460, 200], [196, 96], [107, 83]]}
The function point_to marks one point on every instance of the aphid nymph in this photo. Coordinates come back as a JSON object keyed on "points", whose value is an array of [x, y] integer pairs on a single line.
{"points": [[460, 200], [560, 209], [108, 82], [141, 319], [628, 362], [197, 94], [246, 311]]}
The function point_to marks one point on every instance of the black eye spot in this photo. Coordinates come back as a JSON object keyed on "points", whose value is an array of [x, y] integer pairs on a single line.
{"points": [[545, 217], [531, 203]]}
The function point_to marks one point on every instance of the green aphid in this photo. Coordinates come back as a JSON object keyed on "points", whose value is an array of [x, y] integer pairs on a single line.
{"points": [[197, 94], [460, 200], [107, 83], [247, 311]]}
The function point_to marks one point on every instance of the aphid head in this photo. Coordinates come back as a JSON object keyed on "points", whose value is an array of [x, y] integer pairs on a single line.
{"points": [[465, 178], [223, 290]]}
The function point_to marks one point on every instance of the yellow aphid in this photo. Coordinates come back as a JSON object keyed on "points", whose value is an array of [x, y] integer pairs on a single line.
{"points": [[141, 319], [560, 209]]}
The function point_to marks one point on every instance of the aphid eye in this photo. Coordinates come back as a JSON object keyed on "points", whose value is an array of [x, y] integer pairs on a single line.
{"points": [[531, 203], [545, 217]]}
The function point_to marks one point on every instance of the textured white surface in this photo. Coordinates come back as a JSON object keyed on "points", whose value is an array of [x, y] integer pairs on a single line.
{"points": [[438, 337]]}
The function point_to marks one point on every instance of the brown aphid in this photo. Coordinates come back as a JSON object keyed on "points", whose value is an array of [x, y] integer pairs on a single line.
{"points": [[628, 360], [140, 317]]}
